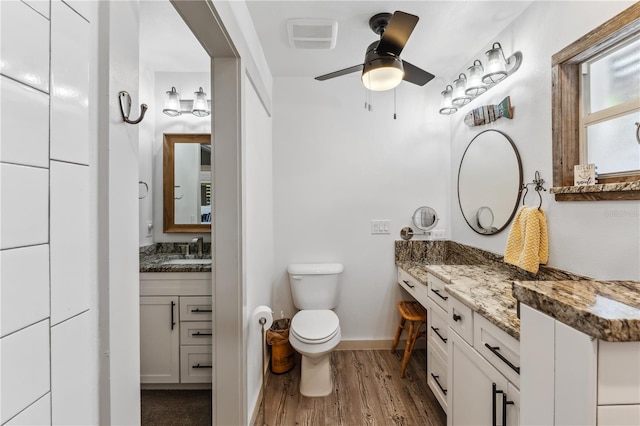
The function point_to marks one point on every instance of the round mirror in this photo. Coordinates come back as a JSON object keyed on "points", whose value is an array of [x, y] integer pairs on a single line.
{"points": [[425, 218], [489, 182]]}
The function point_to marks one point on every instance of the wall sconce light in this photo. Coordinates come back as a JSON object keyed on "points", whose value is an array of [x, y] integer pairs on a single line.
{"points": [[446, 107], [480, 79], [200, 106]]}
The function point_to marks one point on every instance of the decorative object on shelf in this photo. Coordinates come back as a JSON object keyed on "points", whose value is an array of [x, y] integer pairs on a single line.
{"points": [[199, 106], [538, 182], [125, 108], [464, 89], [489, 113], [584, 174]]}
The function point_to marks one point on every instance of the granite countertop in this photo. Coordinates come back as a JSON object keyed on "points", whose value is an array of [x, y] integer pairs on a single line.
{"points": [[607, 310], [484, 289], [152, 258]]}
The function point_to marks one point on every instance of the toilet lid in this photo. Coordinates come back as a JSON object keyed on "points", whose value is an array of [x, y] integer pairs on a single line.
{"points": [[315, 326]]}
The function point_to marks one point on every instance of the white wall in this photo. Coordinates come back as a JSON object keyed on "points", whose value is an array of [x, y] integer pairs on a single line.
{"points": [[337, 167], [258, 245], [598, 239], [48, 332]]}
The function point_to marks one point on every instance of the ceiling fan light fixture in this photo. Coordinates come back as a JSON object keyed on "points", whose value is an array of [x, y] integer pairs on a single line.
{"points": [[382, 73]]}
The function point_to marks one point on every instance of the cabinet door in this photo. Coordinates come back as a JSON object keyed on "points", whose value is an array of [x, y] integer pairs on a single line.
{"points": [[159, 340], [476, 390]]}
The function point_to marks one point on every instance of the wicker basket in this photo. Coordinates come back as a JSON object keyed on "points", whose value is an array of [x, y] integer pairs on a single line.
{"points": [[282, 354]]}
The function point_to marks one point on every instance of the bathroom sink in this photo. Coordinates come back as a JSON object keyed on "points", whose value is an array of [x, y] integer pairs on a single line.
{"points": [[187, 262]]}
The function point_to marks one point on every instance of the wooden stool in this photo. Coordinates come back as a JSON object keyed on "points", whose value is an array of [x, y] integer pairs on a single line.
{"points": [[416, 314]]}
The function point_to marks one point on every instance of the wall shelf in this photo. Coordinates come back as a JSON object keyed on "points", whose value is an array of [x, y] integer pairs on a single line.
{"points": [[598, 192]]}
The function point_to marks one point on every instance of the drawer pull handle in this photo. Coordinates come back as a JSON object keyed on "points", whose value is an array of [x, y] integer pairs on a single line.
{"points": [[197, 333], [435, 330], [437, 292], [198, 310], [444, 391], [173, 321], [495, 350], [505, 402], [408, 284], [201, 366], [456, 317]]}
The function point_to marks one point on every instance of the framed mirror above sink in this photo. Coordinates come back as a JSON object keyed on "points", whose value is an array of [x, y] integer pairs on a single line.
{"points": [[187, 182], [489, 182]]}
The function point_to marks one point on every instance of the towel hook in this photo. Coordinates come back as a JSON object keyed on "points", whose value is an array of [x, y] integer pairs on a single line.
{"points": [[125, 108], [638, 131], [538, 182], [146, 189]]}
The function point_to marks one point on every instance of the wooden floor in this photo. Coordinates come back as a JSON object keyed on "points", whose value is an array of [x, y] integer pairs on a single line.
{"points": [[368, 390]]}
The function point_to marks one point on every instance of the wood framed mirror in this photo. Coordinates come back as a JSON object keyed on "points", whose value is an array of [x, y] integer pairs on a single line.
{"points": [[187, 182]]}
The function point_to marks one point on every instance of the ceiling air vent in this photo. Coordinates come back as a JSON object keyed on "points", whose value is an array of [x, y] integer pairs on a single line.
{"points": [[312, 33]]}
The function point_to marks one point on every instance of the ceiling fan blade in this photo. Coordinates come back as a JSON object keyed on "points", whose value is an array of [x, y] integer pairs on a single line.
{"points": [[397, 33], [416, 75], [340, 73]]}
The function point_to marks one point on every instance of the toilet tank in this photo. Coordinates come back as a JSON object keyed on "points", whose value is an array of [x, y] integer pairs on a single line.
{"points": [[315, 285]]}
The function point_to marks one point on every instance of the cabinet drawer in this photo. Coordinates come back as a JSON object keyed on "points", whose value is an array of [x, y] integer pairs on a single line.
{"points": [[500, 349], [195, 364], [618, 373], [195, 333], [460, 318], [437, 292], [619, 415], [437, 375], [437, 330], [416, 289], [195, 308]]}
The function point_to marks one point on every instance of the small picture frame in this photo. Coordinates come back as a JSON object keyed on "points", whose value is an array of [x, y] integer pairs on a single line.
{"points": [[584, 174]]}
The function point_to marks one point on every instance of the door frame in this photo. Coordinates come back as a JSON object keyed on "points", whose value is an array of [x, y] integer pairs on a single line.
{"points": [[229, 360]]}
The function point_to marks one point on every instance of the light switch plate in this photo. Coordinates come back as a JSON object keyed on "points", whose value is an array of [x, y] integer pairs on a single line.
{"points": [[380, 226]]}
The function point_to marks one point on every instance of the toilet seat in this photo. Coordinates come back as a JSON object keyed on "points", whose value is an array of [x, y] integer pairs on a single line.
{"points": [[315, 326]]}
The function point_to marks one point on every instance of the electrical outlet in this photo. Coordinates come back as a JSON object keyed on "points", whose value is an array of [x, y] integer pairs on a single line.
{"points": [[380, 226], [437, 234]]}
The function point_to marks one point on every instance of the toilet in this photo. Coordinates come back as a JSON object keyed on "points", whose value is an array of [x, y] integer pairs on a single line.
{"points": [[315, 328]]}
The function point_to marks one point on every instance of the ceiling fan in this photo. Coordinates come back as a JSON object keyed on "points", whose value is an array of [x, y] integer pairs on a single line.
{"points": [[382, 68]]}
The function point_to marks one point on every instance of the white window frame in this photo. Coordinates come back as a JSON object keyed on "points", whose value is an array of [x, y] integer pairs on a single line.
{"points": [[588, 118]]}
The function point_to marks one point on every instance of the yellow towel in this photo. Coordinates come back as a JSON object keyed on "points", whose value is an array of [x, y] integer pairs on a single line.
{"points": [[528, 243]]}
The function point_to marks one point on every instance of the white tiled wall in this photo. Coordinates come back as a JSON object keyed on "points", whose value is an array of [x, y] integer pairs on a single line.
{"points": [[25, 283], [24, 359], [48, 342], [25, 124], [26, 57], [70, 357], [69, 250], [37, 414], [69, 84]]}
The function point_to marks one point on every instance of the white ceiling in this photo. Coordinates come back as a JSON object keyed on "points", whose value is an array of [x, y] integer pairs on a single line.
{"points": [[440, 43]]}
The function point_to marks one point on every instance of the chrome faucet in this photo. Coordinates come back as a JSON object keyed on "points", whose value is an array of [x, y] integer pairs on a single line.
{"points": [[199, 244]]}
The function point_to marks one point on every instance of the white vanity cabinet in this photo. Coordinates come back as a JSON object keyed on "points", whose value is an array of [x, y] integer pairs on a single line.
{"points": [[483, 371], [480, 394], [437, 338], [159, 339], [570, 378], [175, 328]]}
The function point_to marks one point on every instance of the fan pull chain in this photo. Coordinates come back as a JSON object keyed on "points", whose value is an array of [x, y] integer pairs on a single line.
{"points": [[394, 103]]}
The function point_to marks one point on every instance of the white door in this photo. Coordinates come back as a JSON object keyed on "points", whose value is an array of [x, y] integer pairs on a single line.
{"points": [[478, 390], [159, 340]]}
